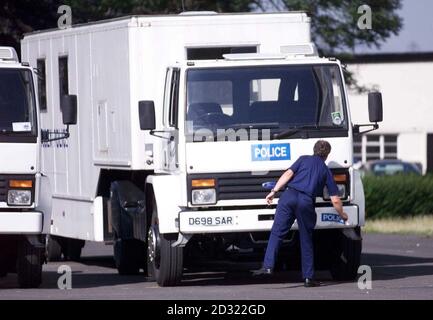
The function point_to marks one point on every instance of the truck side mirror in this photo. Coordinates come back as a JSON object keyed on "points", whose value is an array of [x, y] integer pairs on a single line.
{"points": [[375, 108], [146, 111], [69, 109], [68, 105]]}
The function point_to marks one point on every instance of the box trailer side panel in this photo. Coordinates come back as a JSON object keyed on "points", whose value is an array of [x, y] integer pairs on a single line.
{"points": [[102, 133]]}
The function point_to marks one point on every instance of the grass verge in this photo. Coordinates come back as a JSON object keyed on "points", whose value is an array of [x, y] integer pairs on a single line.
{"points": [[418, 225]]}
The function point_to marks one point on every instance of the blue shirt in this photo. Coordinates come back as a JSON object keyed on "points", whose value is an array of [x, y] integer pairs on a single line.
{"points": [[311, 174]]}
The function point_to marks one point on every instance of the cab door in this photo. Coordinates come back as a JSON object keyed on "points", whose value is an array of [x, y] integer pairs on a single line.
{"points": [[170, 134]]}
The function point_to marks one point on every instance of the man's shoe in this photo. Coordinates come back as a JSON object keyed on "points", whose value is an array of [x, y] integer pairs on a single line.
{"points": [[309, 283], [263, 272]]}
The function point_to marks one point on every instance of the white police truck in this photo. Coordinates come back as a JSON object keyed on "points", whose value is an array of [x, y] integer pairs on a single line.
{"points": [[25, 193], [181, 119]]}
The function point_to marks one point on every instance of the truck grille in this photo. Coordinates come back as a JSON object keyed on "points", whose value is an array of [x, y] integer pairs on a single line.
{"points": [[3, 188], [238, 185]]}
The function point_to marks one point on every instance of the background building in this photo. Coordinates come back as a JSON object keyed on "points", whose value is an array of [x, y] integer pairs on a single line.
{"points": [[406, 83]]}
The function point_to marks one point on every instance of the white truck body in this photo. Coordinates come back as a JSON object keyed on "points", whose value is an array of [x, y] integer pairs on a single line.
{"points": [[25, 193], [112, 65]]}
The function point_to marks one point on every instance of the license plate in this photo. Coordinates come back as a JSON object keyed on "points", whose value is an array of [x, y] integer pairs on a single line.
{"points": [[211, 221]]}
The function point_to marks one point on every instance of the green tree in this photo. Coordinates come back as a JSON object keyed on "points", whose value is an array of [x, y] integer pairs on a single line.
{"points": [[334, 25], [21, 16], [90, 10], [334, 22]]}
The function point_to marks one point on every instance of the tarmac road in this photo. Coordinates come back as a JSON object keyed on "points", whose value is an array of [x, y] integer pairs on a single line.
{"points": [[402, 268]]}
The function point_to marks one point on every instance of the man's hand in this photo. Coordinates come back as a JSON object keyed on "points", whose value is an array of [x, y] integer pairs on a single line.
{"points": [[338, 205], [344, 216], [270, 197]]}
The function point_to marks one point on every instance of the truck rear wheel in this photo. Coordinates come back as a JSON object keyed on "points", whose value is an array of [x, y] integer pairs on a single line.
{"points": [[72, 249], [129, 255], [347, 259], [4, 266], [29, 265], [165, 262], [53, 248], [3, 269]]}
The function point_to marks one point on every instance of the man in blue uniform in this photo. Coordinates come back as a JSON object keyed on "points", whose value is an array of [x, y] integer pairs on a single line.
{"points": [[305, 180]]}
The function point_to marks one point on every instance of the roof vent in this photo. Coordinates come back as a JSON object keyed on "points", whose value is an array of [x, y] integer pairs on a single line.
{"points": [[253, 56], [305, 49], [8, 54]]}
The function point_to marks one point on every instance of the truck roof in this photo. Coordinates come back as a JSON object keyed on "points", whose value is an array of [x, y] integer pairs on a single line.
{"points": [[300, 59], [9, 58], [148, 20]]}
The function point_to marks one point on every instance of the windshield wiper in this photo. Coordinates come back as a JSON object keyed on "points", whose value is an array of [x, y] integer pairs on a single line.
{"points": [[11, 132], [293, 130], [7, 131], [261, 125]]}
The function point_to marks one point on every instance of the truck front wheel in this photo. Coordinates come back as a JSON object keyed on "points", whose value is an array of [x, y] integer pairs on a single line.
{"points": [[29, 265], [165, 262], [347, 258]]}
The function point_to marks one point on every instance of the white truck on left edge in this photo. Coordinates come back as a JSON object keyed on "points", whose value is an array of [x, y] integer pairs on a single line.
{"points": [[25, 193]]}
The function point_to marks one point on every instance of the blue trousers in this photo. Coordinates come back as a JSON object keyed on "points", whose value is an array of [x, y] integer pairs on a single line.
{"points": [[293, 205]]}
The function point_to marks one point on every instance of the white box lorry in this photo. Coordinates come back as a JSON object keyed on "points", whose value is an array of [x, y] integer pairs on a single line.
{"points": [[181, 118], [25, 192]]}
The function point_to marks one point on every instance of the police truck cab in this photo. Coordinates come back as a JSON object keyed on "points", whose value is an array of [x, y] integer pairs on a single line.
{"points": [[25, 192]]}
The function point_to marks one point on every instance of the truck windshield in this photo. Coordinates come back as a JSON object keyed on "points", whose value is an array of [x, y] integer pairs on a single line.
{"points": [[278, 98], [17, 102]]}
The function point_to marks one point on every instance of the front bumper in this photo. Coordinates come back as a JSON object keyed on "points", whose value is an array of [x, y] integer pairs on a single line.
{"points": [[250, 220], [21, 222]]}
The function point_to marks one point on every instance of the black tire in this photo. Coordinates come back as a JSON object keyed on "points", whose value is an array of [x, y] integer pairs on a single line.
{"points": [[347, 259], [3, 271], [129, 255], [29, 265], [4, 266], [53, 248], [164, 262], [72, 249]]}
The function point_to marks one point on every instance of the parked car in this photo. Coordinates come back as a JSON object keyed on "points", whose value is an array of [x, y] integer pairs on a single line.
{"points": [[390, 167]]}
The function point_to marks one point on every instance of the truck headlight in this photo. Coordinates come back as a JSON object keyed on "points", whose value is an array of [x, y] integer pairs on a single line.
{"points": [[341, 192], [203, 196], [19, 197]]}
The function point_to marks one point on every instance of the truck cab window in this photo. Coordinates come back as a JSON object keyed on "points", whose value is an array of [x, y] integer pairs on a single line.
{"points": [[264, 90], [205, 93], [16, 102], [42, 84], [63, 76], [275, 98], [174, 98]]}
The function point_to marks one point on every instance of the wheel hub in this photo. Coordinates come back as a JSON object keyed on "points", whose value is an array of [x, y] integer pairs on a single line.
{"points": [[154, 246]]}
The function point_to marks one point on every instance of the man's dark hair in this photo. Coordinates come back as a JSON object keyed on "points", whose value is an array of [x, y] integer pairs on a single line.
{"points": [[322, 149]]}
